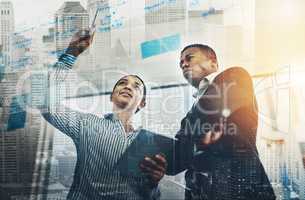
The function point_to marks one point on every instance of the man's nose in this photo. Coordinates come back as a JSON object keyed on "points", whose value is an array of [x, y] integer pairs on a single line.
{"points": [[184, 65]]}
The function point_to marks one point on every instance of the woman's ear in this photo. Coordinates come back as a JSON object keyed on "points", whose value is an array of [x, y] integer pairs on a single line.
{"points": [[142, 104]]}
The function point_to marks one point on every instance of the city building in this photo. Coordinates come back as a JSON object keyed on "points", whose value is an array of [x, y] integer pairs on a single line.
{"points": [[21, 47], [100, 54], [49, 53], [70, 18], [7, 27], [16, 147]]}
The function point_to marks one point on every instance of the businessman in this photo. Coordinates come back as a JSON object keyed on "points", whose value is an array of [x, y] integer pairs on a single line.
{"points": [[228, 167], [100, 141]]}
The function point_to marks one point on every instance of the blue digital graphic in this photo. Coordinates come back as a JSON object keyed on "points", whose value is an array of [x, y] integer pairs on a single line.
{"points": [[17, 114], [23, 44], [211, 11], [163, 45], [22, 62]]}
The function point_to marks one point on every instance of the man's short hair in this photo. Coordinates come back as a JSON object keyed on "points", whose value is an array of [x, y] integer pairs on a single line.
{"points": [[144, 87], [205, 49]]}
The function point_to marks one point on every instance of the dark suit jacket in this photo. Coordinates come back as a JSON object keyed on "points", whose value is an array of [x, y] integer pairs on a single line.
{"points": [[230, 168]]}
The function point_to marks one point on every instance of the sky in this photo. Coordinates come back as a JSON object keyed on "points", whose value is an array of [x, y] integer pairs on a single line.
{"points": [[35, 12]]}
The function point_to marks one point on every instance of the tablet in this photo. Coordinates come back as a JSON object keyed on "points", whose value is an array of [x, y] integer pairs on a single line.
{"points": [[146, 143]]}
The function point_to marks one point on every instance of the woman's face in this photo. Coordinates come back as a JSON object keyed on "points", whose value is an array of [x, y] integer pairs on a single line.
{"points": [[128, 93]]}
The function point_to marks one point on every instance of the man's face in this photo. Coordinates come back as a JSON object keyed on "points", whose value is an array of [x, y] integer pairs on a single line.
{"points": [[196, 65], [128, 93]]}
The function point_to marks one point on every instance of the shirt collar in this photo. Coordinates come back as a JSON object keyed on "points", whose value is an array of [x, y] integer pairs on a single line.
{"points": [[203, 85], [113, 116]]}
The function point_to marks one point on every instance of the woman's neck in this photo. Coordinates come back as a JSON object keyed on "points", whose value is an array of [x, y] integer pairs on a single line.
{"points": [[126, 118]]}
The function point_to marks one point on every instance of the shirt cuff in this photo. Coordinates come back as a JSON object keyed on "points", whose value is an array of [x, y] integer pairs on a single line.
{"points": [[67, 59]]}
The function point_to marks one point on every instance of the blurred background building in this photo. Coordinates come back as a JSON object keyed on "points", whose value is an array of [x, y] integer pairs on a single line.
{"points": [[70, 18], [7, 25]]}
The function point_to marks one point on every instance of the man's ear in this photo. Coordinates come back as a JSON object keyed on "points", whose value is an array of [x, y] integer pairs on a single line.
{"points": [[214, 65]]}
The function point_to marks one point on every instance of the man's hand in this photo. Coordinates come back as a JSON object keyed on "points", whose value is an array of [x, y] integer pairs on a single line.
{"points": [[209, 138], [80, 42], [154, 167]]}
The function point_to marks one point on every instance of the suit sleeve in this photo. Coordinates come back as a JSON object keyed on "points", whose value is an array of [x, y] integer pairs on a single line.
{"points": [[183, 151], [231, 91]]}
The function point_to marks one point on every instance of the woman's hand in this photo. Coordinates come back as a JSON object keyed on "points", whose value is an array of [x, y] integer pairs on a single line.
{"points": [[80, 42]]}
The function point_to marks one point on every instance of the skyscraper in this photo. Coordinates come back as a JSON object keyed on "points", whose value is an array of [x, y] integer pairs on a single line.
{"points": [[7, 26], [102, 39], [21, 133], [49, 49], [17, 149], [113, 41], [163, 11], [20, 51], [70, 18], [164, 18], [2, 66]]}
